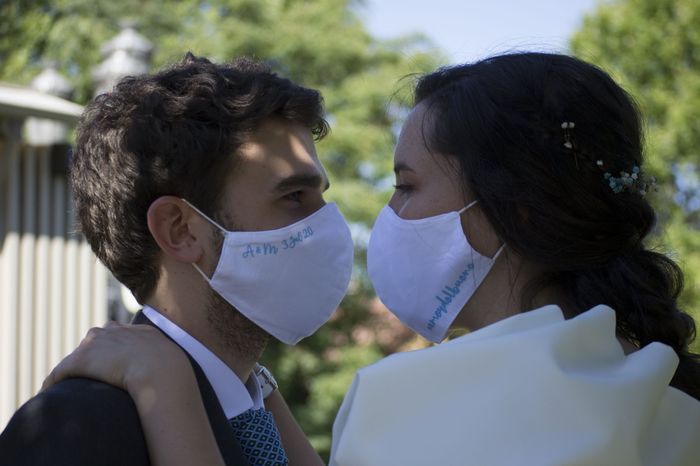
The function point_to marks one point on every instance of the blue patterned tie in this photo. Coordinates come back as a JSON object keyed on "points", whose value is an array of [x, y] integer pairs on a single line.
{"points": [[259, 439]]}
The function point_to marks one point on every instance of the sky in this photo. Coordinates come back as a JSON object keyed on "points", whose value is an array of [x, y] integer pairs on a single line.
{"points": [[470, 29]]}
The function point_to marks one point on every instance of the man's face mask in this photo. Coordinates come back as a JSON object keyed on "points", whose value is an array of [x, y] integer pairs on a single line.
{"points": [[290, 280]]}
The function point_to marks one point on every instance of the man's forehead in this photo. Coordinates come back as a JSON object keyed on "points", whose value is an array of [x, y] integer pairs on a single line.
{"points": [[280, 129], [279, 150], [276, 136]]}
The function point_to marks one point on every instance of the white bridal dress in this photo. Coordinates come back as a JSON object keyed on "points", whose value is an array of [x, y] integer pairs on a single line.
{"points": [[533, 389]]}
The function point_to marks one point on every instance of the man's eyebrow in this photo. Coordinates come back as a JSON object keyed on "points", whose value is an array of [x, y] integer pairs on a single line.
{"points": [[401, 166], [304, 180]]}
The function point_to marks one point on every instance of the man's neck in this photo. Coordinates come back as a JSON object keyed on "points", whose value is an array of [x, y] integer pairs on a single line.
{"points": [[224, 336]]}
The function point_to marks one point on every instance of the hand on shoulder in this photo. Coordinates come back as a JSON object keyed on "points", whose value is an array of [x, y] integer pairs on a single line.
{"points": [[131, 357]]}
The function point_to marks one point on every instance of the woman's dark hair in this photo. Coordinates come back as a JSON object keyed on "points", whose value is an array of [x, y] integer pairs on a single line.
{"points": [[176, 133], [543, 186]]}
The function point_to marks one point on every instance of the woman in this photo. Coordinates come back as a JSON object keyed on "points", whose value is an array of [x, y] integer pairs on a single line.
{"points": [[518, 189]]}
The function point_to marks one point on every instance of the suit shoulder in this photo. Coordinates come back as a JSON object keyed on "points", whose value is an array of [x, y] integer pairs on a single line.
{"points": [[75, 422], [81, 401]]}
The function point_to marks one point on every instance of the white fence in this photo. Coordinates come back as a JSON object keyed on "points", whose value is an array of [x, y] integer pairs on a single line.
{"points": [[52, 288]]}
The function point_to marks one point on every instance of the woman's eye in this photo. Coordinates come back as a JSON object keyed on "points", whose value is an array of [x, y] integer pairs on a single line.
{"points": [[402, 188]]}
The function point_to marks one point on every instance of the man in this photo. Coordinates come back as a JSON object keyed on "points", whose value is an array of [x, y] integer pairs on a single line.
{"points": [[200, 189]]}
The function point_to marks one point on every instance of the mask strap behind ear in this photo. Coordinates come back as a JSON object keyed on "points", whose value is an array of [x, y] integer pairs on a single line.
{"points": [[468, 206], [205, 216], [498, 253], [201, 273], [207, 279], [503, 246]]}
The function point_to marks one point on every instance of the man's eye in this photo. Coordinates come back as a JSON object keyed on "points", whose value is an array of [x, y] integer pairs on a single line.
{"points": [[294, 197], [402, 188]]}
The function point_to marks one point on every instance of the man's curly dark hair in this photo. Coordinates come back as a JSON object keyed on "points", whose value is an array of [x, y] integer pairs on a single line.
{"points": [[176, 133]]}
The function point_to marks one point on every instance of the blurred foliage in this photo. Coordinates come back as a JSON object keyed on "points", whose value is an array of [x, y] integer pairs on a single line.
{"points": [[652, 48], [318, 43]]}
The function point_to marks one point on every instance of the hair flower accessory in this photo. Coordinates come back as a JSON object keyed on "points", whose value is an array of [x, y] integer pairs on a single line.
{"points": [[566, 126], [635, 182]]}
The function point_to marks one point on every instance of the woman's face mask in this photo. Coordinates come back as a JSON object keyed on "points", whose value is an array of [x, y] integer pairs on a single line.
{"points": [[425, 270], [423, 265]]}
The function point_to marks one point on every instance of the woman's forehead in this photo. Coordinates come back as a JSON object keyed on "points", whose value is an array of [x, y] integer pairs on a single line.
{"points": [[412, 152], [411, 149]]}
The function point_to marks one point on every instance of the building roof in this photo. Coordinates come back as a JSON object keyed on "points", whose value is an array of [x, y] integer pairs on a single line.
{"points": [[20, 101]]}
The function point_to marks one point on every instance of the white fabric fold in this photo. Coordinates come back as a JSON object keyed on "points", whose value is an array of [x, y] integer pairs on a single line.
{"points": [[533, 389]]}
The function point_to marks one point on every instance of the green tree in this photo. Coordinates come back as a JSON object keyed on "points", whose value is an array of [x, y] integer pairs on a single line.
{"points": [[319, 43], [652, 47]]}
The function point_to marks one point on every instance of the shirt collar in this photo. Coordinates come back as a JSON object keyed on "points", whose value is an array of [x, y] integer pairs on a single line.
{"points": [[234, 396]]}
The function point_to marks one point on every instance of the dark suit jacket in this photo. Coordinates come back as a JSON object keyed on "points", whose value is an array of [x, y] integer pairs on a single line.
{"points": [[84, 422]]}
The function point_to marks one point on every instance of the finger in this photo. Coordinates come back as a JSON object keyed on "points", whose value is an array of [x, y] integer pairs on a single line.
{"points": [[58, 373], [112, 324], [48, 381], [94, 331], [90, 335]]}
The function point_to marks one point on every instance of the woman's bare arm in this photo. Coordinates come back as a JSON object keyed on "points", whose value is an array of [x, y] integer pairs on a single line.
{"points": [[174, 420], [296, 445], [159, 378]]}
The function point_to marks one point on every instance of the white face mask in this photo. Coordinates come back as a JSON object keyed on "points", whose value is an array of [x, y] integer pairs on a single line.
{"points": [[287, 281], [424, 270]]}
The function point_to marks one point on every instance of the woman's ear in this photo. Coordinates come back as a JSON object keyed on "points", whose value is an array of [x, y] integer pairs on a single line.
{"points": [[177, 229]]}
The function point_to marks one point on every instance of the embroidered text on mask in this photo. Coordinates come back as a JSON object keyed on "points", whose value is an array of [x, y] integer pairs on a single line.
{"points": [[449, 292], [271, 249]]}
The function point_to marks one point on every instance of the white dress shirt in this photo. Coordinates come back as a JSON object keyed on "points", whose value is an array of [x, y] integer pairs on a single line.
{"points": [[533, 389], [234, 396]]}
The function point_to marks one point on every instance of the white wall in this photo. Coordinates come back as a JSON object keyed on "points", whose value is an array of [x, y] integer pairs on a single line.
{"points": [[52, 288]]}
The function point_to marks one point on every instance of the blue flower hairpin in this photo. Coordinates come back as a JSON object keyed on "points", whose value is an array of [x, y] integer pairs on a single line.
{"points": [[635, 182]]}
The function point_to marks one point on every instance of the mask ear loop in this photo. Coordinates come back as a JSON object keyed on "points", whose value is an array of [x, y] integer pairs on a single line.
{"points": [[204, 215], [467, 207], [207, 279], [204, 276], [498, 253]]}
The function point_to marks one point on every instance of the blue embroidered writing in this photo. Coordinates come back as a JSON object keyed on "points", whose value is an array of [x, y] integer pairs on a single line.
{"points": [[448, 293], [264, 249], [271, 249]]}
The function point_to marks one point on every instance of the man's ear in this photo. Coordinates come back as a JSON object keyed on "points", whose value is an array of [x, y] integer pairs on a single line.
{"points": [[177, 229]]}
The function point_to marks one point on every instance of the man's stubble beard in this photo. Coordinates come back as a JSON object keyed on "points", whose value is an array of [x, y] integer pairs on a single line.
{"points": [[236, 333]]}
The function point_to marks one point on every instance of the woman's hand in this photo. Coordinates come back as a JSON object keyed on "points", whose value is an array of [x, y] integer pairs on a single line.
{"points": [[131, 357]]}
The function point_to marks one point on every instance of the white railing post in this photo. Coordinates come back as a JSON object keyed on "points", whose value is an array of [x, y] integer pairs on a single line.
{"points": [[9, 282]]}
